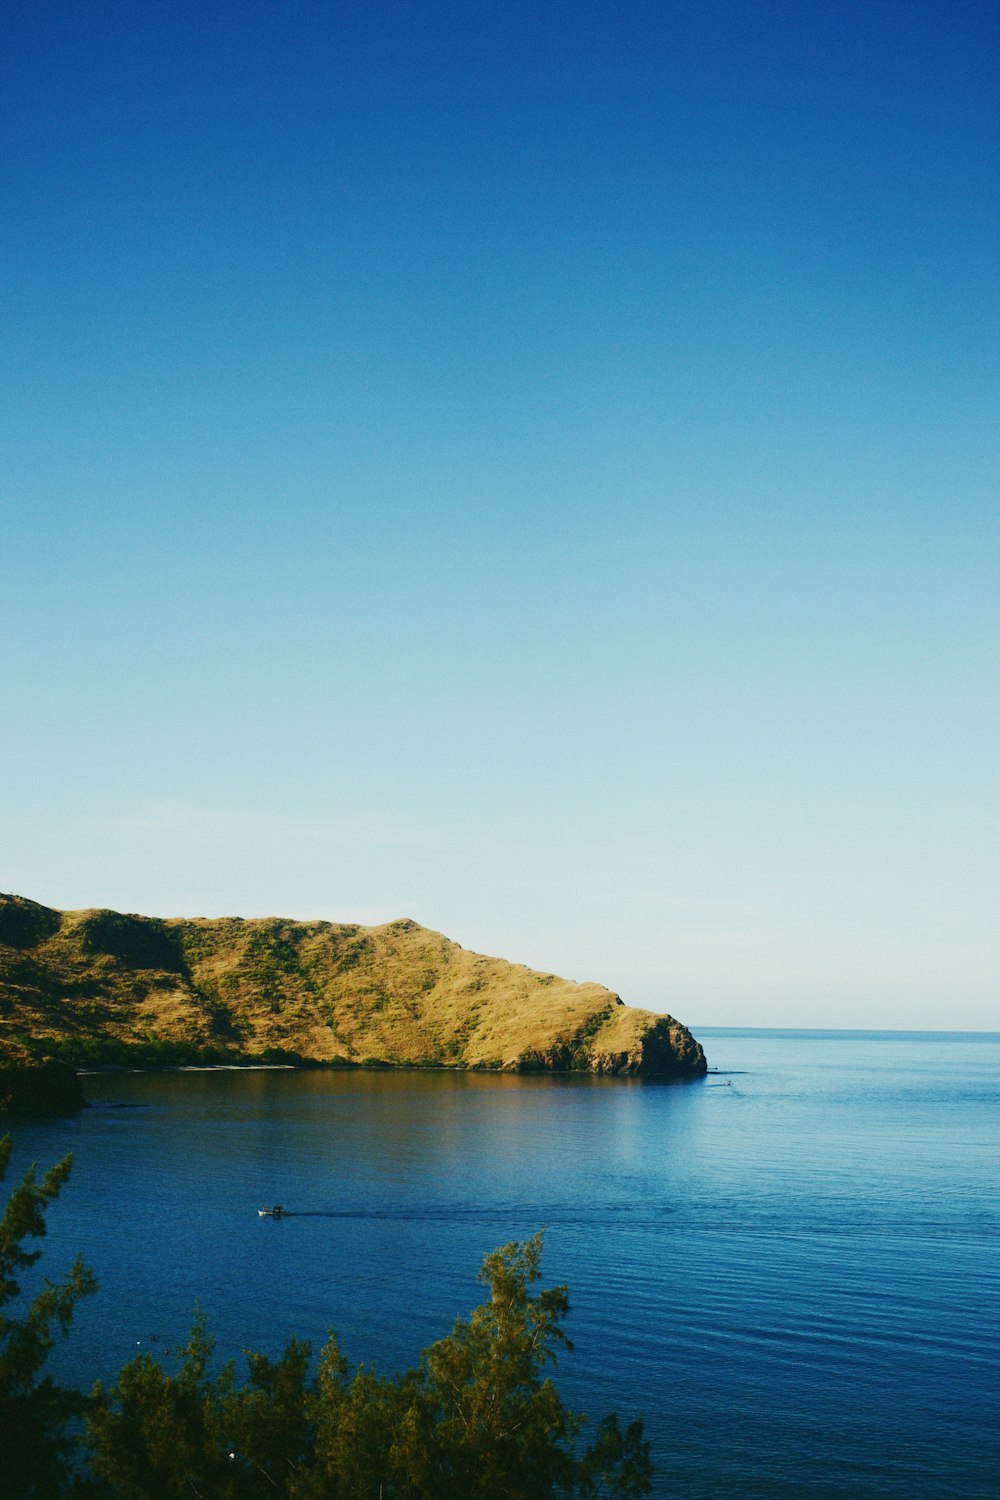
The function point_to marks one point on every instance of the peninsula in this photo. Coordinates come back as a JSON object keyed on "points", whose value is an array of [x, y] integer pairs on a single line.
{"points": [[96, 987]]}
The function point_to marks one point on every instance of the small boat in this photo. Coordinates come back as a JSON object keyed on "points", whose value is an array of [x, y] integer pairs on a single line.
{"points": [[270, 1213]]}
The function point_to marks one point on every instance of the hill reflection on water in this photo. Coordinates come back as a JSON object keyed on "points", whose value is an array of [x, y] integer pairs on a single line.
{"points": [[786, 1267]]}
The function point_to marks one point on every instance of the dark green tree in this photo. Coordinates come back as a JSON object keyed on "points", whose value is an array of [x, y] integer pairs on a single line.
{"points": [[267, 1423], [479, 1419], [370, 1434], [500, 1428], [159, 1436], [153, 1434], [617, 1463], [36, 1440]]}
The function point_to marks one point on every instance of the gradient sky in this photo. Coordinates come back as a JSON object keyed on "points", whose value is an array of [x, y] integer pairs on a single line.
{"points": [[529, 468]]}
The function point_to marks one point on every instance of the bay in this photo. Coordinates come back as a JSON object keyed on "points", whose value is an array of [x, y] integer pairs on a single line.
{"points": [[791, 1269]]}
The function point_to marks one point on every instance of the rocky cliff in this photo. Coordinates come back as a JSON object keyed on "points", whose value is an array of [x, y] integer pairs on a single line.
{"points": [[103, 986]]}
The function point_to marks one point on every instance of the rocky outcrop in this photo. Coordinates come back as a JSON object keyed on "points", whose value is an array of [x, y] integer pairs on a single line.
{"points": [[101, 986], [39, 1088]]}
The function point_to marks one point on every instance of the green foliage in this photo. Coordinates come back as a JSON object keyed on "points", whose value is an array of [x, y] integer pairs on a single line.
{"points": [[585, 1035], [367, 1433], [500, 1428], [617, 1463], [479, 1417], [142, 942], [158, 1434], [168, 1437], [25, 924], [268, 1424], [35, 1446]]}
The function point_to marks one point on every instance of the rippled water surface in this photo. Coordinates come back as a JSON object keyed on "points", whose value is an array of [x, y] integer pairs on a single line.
{"points": [[791, 1269]]}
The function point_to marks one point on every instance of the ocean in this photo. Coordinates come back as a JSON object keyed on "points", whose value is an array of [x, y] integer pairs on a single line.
{"points": [[790, 1269]]}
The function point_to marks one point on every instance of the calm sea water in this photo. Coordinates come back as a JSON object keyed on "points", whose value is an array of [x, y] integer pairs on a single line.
{"points": [[791, 1268]]}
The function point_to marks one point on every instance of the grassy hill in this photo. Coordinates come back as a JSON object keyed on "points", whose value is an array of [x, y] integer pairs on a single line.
{"points": [[101, 987]]}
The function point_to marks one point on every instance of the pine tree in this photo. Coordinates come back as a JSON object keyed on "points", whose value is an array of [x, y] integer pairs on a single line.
{"points": [[36, 1443]]}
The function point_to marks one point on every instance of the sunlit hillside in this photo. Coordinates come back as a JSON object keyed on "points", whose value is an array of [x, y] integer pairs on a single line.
{"points": [[101, 986]]}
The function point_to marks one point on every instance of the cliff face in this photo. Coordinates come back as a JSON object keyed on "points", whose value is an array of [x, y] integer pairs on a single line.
{"points": [[104, 986]]}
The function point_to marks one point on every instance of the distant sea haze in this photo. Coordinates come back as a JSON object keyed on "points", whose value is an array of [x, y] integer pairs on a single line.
{"points": [[790, 1268]]}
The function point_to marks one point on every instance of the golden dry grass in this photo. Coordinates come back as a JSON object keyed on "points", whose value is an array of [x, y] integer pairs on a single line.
{"points": [[393, 994]]}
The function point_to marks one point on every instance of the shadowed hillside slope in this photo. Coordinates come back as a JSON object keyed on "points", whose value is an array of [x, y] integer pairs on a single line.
{"points": [[102, 986]]}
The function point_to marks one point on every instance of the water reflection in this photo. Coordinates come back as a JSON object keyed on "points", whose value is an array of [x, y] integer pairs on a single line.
{"points": [[788, 1274]]}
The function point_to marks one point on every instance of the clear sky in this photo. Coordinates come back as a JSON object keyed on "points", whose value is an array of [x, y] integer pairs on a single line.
{"points": [[532, 468]]}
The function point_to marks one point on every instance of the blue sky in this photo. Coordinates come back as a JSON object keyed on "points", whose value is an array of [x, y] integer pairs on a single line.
{"points": [[528, 468]]}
